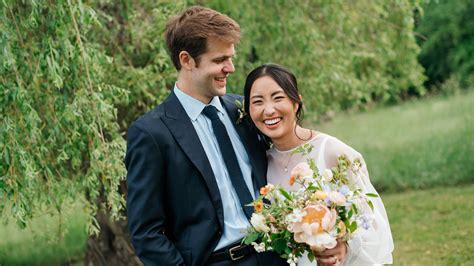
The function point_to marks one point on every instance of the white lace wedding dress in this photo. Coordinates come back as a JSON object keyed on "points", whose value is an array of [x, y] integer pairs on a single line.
{"points": [[368, 247]]}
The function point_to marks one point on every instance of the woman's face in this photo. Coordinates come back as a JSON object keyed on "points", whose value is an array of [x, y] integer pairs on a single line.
{"points": [[272, 111]]}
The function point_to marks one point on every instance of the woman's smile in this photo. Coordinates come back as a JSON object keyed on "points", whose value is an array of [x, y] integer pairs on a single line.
{"points": [[273, 122]]}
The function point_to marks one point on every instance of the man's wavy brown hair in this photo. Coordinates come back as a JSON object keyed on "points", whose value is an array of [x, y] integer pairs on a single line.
{"points": [[190, 31]]}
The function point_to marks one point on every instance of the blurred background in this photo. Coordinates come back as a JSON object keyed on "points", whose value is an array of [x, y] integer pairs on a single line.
{"points": [[393, 79]]}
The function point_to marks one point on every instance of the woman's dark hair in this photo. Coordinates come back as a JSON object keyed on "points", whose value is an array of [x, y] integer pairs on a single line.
{"points": [[283, 77]]}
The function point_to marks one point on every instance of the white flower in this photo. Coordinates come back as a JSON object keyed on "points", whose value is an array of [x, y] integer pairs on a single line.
{"points": [[273, 229], [292, 259], [295, 217], [290, 227], [337, 198], [327, 175], [307, 179], [258, 222], [356, 165], [258, 247]]}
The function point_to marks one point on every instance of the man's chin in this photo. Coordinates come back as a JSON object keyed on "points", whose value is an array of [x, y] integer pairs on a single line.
{"points": [[221, 91]]}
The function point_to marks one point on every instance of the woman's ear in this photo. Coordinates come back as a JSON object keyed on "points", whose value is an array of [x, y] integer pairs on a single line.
{"points": [[297, 107], [186, 60]]}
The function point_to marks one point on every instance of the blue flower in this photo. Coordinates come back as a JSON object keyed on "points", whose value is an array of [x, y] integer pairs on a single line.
{"points": [[344, 190]]}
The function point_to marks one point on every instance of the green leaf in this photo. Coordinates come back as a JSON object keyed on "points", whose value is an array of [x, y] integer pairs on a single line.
{"points": [[350, 213], [352, 227], [238, 104], [311, 256], [371, 205], [373, 195], [286, 194], [279, 245], [251, 238], [354, 207]]}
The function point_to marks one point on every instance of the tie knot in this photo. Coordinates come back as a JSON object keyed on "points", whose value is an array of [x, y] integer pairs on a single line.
{"points": [[211, 112]]}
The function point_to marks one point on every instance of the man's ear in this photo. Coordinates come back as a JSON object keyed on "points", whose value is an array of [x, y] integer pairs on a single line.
{"points": [[186, 60]]}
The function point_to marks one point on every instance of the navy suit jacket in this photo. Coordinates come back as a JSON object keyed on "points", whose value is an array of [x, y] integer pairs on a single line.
{"points": [[174, 208]]}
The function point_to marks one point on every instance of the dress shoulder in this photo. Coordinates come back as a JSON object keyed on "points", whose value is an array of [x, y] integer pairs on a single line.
{"points": [[334, 147]]}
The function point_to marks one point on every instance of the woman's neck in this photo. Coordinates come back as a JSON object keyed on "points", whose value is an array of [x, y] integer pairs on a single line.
{"points": [[294, 139]]}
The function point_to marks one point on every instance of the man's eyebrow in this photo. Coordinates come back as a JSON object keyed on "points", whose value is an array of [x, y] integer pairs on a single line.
{"points": [[223, 57]]}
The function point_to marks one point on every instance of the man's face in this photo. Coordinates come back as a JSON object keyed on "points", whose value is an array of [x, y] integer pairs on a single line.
{"points": [[209, 76]]}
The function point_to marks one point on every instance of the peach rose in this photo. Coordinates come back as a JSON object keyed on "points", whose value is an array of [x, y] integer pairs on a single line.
{"points": [[302, 170], [314, 227]]}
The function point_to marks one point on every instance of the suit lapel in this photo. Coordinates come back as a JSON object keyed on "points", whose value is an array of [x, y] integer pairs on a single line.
{"points": [[182, 129]]}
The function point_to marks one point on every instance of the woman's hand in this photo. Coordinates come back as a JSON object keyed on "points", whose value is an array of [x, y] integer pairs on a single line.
{"points": [[334, 256]]}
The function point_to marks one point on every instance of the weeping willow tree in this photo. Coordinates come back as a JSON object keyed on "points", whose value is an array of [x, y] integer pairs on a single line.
{"points": [[74, 74], [345, 54]]}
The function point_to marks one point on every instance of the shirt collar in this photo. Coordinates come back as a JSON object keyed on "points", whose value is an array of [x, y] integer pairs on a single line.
{"points": [[194, 107]]}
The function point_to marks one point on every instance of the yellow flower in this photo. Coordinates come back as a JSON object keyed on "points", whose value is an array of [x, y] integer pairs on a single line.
{"points": [[320, 195], [342, 229], [264, 190], [258, 206]]}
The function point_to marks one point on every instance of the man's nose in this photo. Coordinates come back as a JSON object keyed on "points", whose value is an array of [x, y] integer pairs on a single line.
{"points": [[229, 67]]}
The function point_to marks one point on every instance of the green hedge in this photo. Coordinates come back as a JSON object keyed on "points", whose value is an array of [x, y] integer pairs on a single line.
{"points": [[446, 34]]}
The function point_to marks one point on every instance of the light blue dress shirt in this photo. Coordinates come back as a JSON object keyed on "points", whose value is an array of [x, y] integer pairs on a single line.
{"points": [[235, 221]]}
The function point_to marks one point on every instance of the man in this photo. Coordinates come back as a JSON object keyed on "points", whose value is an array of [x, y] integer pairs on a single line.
{"points": [[191, 168]]}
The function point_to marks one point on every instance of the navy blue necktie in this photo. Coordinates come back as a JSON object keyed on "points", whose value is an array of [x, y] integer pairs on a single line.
{"points": [[230, 159]]}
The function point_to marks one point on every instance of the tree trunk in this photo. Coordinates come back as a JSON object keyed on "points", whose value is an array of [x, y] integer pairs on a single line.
{"points": [[112, 246]]}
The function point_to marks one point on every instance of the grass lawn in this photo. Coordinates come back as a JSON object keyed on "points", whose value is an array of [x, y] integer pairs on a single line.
{"points": [[45, 241], [414, 145], [429, 227], [432, 227]]}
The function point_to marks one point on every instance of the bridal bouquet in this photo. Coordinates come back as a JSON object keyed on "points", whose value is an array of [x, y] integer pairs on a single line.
{"points": [[328, 207]]}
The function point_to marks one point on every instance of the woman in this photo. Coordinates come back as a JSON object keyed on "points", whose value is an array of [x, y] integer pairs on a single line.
{"points": [[275, 107]]}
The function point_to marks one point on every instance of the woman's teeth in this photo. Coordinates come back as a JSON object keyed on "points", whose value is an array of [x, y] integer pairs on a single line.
{"points": [[272, 121]]}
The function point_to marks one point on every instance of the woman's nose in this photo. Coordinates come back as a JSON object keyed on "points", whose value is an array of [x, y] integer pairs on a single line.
{"points": [[269, 109]]}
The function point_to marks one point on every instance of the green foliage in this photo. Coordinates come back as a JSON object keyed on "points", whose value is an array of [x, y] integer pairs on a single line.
{"points": [[59, 134], [132, 34], [344, 53], [446, 31]]}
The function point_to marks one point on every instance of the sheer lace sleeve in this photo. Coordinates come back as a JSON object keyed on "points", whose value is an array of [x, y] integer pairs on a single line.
{"points": [[368, 247]]}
